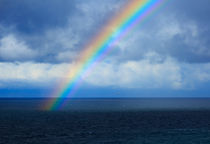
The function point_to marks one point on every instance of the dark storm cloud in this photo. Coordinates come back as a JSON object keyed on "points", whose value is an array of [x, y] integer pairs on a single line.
{"points": [[56, 31], [180, 30], [189, 47], [34, 16], [194, 9]]}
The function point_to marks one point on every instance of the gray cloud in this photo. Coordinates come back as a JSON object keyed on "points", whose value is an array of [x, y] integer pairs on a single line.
{"points": [[13, 49], [168, 37], [35, 16], [169, 50], [54, 43], [174, 31]]}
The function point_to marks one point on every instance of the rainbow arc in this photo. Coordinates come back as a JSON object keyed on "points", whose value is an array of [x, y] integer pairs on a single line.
{"points": [[133, 13]]}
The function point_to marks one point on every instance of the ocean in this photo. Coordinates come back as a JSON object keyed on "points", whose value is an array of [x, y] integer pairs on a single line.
{"points": [[114, 121]]}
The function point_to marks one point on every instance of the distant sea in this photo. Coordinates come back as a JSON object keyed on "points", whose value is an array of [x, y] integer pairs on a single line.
{"points": [[109, 104], [106, 121]]}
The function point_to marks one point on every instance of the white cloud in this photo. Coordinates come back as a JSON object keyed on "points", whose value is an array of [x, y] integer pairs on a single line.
{"points": [[34, 73], [131, 74], [147, 73], [138, 74], [13, 49]]}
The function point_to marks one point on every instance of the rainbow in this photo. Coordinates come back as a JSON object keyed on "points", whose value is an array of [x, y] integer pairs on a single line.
{"points": [[134, 12]]}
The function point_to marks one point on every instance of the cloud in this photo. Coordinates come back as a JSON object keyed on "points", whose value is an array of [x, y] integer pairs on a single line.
{"points": [[139, 74], [149, 74], [145, 73], [168, 37], [53, 43], [67, 56], [29, 73], [13, 49], [35, 16], [183, 9], [169, 50], [57, 43]]}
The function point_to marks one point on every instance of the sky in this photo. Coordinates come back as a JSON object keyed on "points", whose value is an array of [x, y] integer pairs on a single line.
{"points": [[166, 56]]}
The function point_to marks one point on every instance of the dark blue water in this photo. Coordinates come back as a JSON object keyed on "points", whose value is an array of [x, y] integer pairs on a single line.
{"points": [[109, 104], [25, 124]]}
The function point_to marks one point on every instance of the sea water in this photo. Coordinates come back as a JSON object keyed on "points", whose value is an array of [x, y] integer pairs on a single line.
{"points": [[21, 122]]}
